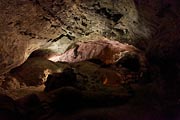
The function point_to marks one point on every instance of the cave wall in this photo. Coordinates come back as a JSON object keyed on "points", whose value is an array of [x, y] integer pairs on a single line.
{"points": [[44, 27], [161, 17], [29, 25], [23, 30]]}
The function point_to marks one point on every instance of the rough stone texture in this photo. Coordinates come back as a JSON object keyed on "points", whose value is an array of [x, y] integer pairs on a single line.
{"points": [[93, 83], [107, 51], [33, 72], [161, 17], [29, 25], [22, 31], [90, 77], [151, 25]]}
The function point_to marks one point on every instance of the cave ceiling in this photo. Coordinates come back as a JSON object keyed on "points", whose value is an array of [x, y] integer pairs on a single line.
{"points": [[29, 25]]}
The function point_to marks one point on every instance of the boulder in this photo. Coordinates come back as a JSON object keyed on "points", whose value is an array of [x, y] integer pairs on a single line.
{"points": [[107, 51], [33, 72]]}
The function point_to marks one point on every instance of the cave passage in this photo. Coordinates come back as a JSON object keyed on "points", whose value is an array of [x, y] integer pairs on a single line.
{"points": [[89, 60]]}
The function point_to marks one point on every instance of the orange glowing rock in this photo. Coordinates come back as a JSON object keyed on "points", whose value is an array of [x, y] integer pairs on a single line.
{"points": [[105, 81]]}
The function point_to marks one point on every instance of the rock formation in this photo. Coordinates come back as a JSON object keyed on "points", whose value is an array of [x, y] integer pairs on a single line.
{"points": [[123, 43], [30, 25]]}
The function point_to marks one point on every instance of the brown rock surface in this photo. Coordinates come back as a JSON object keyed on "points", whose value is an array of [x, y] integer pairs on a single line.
{"points": [[55, 25], [151, 25], [33, 72], [107, 51], [97, 83], [27, 25], [22, 31]]}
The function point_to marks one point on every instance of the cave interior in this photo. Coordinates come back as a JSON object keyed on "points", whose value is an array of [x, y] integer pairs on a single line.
{"points": [[89, 60]]}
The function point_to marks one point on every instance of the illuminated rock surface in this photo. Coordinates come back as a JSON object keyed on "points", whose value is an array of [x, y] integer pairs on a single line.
{"points": [[50, 27]]}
